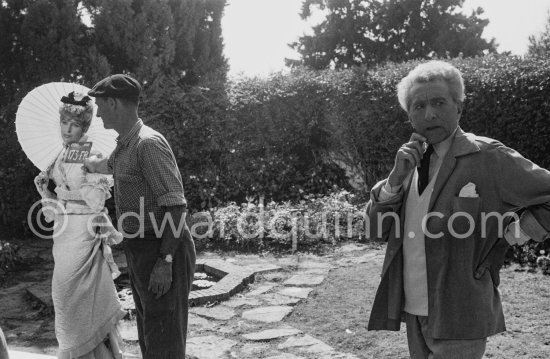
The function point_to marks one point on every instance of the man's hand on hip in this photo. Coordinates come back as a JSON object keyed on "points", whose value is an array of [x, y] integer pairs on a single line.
{"points": [[161, 278], [407, 158]]}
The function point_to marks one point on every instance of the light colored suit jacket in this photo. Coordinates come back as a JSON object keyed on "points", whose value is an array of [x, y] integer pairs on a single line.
{"points": [[463, 273]]}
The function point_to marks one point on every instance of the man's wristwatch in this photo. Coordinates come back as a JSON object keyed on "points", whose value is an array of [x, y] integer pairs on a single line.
{"points": [[167, 258]]}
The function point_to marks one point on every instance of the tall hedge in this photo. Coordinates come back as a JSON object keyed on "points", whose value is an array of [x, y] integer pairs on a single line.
{"points": [[507, 98], [285, 136]]}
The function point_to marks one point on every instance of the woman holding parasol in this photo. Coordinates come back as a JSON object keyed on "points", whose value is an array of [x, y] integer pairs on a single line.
{"points": [[85, 300]]}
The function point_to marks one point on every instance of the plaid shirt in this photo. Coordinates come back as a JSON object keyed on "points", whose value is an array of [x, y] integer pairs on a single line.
{"points": [[146, 177]]}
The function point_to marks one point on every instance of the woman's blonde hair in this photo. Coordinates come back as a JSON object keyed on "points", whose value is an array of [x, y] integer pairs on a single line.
{"points": [[79, 108]]}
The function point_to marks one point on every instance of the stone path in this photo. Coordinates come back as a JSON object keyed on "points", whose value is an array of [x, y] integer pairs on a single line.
{"points": [[25, 355], [250, 325]]}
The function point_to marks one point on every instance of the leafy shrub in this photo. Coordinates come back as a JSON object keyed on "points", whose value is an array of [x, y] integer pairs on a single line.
{"points": [[544, 263], [314, 220], [285, 137], [532, 255], [8, 257]]}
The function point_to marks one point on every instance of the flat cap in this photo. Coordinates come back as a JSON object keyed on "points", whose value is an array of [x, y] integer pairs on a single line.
{"points": [[118, 86]]}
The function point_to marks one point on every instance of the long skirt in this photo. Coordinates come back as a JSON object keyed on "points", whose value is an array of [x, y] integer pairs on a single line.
{"points": [[85, 300]]}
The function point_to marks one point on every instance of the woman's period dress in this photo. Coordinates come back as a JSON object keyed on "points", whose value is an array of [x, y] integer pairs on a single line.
{"points": [[85, 300]]}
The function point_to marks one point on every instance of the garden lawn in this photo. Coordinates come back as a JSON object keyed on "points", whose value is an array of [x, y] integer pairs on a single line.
{"points": [[337, 313]]}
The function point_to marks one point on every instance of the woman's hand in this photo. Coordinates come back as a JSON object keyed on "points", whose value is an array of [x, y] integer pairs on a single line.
{"points": [[41, 183]]}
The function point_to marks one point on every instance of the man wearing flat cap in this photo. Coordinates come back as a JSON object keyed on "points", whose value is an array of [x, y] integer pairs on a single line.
{"points": [[149, 198]]}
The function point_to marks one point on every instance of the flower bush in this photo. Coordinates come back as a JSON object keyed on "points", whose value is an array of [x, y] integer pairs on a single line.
{"points": [[308, 223], [543, 262], [8, 257], [291, 135], [314, 220], [532, 255]]}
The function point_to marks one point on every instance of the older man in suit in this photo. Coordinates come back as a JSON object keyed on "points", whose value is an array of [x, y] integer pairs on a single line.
{"points": [[450, 207]]}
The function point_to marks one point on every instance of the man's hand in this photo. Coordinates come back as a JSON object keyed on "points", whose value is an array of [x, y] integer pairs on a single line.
{"points": [[407, 158], [161, 278], [96, 164]]}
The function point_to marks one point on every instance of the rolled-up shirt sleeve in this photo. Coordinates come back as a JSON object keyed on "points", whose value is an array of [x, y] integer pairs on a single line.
{"points": [[160, 170]]}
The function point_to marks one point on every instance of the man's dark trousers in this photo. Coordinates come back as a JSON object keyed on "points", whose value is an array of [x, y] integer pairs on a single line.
{"points": [[161, 323]]}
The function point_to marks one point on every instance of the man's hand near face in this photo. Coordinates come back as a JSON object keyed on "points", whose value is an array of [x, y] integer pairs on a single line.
{"points": [[407, 158]]}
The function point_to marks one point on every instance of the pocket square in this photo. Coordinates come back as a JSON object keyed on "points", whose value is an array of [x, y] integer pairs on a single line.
{"points": [[469, 190]]}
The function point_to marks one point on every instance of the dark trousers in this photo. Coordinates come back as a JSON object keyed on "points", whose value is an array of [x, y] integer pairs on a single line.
{"points": [[423, 347], [161, 323], [3, 346]]}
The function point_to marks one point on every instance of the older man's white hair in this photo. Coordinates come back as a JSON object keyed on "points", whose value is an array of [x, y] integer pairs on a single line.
{"points": [[427, 72]]}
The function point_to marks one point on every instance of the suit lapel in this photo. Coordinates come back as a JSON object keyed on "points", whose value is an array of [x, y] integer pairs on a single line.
{"points": [[402, 212], [463, 144], [395, 245], [445, 171]]}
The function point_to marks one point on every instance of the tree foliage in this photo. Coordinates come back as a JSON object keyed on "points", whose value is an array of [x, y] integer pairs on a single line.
{"points": [[369, 32], [181, 38], [43, 41], [539, 45], [175, 42], [51, 40]]}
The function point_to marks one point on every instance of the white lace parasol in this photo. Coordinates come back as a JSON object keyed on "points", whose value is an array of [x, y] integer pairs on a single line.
{"points": [[38, 129]]}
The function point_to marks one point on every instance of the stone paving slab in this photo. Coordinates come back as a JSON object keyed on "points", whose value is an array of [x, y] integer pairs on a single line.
{"points": [[274, 277], [233, 279], [296, 292], [218, 312], [336, 355], [270, 334], [254, 350], [260, 290], [285, 356], [319, 348], [241, 302], [304, 280], [126, 300], [196, 321], [267, 314], [25, 355], [306, 340], [220, 267], [348, 261], [209, 347], [128, 330], [262, 268], [314, 264], [317, 271], [279, 299], [237, 328]]}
